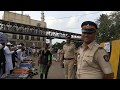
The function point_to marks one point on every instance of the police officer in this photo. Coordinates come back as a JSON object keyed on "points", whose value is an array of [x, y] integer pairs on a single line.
{"points": [[69, 58], [92, 60]]}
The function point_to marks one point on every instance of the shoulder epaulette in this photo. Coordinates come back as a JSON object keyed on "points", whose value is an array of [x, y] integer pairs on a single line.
{"points": [[99, 47]]}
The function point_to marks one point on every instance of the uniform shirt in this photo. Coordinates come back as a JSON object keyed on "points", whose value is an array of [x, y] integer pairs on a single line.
{"points": [[93, 60], [69, 51]]}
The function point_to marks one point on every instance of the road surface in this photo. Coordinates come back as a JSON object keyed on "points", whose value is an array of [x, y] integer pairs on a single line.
{"points": [[55, 71]]}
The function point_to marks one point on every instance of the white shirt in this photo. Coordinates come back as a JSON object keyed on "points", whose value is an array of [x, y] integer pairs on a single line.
{"points": [[8, 57]]}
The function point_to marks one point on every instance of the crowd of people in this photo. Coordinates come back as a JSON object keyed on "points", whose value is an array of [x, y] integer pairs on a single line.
{"points": [[28, 29], [12, 55]]}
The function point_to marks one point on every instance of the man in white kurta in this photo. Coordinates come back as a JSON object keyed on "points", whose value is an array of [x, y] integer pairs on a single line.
{"points": [[8, 57]]}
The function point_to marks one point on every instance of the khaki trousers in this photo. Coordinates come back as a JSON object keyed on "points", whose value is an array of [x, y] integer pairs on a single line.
{"points": [[69, 69]]}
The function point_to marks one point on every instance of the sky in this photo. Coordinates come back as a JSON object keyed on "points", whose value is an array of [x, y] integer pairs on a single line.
{"points": [[69, 21]]}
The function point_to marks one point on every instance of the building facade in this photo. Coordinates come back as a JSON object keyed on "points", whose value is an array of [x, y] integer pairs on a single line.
{"points": [[29, 41]]}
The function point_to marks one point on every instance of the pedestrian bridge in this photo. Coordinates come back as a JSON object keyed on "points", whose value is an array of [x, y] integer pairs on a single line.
{"points": [[24, 29]]}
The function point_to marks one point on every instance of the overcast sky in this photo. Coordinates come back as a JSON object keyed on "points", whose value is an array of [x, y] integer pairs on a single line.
{"points": [[64, 20]]}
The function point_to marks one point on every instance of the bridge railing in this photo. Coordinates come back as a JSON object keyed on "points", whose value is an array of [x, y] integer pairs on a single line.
{"points": [[23, 29]]}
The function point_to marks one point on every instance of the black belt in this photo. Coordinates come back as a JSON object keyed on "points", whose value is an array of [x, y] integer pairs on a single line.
{"points": [[68, 58]]}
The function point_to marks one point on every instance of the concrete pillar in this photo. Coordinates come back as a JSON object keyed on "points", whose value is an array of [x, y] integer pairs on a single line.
{"points": [[50, 40]]}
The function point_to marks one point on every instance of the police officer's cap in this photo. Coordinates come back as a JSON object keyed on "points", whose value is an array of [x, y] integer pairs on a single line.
{"points": [[68, 36], [89, 26]]}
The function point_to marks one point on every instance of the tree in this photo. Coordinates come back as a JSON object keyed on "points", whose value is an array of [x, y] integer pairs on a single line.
{"points": [[57, 46], [77, 43], [104, 29], [115, 17], [109, 27]]}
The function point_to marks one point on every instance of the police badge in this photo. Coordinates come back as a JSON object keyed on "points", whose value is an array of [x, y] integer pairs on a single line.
{"points": [[106, 58], [87, 26]]}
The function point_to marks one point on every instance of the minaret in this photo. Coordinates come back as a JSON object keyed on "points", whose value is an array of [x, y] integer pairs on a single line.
{"points": [[42, 16], [22, 17], [42, 21]]}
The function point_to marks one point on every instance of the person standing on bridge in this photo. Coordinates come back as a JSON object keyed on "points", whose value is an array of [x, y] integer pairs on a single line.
{"points": [[92, 60], [45, 61], [69, 59]]}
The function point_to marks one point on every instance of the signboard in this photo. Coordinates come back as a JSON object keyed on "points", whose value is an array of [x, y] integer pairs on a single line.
{"points": [[107, 46]]}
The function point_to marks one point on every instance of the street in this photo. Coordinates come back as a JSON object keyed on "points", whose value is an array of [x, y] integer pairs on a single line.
{"points": [[55, 71]]}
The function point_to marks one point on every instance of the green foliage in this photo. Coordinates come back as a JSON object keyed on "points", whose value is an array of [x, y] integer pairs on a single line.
{"points": [[57, 45], [78, 43], [108, 27]]}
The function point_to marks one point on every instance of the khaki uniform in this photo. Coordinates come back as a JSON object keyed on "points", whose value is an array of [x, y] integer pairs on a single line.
{"points": [[92, 62], [69, 57]]}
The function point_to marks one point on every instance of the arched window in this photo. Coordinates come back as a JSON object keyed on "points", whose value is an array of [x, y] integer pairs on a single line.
{"points": [[32, 37], [20, 36], [38, 38], [14, 36], [26, 37]]}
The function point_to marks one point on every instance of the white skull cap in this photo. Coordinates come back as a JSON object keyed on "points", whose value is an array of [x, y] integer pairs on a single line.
{"points": [[9, 43]]}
